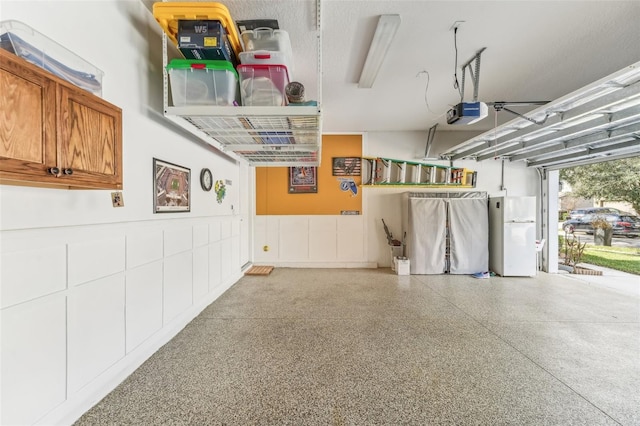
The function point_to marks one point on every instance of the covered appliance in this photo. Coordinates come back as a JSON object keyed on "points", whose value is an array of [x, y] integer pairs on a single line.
{"points": [[446, 232], [512, 236]]}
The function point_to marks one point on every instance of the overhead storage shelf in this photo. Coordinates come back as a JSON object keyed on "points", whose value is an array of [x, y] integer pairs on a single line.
{"points": [[260, 135], [263, 136]]}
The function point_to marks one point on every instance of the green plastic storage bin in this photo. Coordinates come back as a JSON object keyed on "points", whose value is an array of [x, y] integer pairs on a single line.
{"points": [[203, 82]]}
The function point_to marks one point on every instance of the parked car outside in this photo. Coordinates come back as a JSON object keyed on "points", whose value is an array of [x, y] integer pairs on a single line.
{"points": [[578, 213], [621, 224]]}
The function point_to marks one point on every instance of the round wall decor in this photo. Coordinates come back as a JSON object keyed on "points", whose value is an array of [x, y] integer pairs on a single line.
{"points": [[206, 179]]}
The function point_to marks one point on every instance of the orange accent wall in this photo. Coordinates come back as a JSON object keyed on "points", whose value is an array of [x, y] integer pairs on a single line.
{"points": [[272, 184]]}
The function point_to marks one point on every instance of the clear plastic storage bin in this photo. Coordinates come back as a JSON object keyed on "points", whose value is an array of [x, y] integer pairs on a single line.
{"points": [[27, 43], [202, 82], [263, 85], [269, 39], [267, 57]]}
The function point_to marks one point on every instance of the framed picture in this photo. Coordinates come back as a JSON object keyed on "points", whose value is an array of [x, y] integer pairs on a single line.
{"points": [[346, 166], [171, 187], [303, 179]]}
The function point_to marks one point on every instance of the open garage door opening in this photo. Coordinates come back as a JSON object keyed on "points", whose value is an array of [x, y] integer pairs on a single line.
{"points": [[598, 223]]}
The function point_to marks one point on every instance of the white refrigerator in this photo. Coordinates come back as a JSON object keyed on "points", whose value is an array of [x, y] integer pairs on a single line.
{"points": [[512, 236]]}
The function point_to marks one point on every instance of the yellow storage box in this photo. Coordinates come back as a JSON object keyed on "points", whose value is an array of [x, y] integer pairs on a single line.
{"points": [[168, 14]]}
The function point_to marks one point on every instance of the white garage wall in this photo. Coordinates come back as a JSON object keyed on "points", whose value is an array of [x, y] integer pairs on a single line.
{"points": [[74, 268], [360, 241], [89, 291]]}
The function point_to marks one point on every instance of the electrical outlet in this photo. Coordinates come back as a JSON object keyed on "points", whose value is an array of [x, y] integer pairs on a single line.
{"points": [[116, 199]]}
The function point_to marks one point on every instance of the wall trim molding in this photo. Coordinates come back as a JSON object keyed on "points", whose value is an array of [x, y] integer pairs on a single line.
{"points": [[319, 264]]}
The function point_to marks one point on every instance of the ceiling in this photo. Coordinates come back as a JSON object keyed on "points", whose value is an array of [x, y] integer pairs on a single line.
{"points": [[535, 51]]}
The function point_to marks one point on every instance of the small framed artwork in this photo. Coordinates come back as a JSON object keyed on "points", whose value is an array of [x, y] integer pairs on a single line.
{"points": [[346, 166], [172, 187], [303, 179]]}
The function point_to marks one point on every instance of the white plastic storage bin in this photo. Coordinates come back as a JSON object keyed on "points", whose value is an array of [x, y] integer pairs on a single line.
{"points": [[203, 82], [403, 266], [32, 46], [263, 85], [271, 40], [266, 57]]}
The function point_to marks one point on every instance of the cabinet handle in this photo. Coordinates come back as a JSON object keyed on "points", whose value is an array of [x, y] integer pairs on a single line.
{"points": [[54, 171], [67, 171]]}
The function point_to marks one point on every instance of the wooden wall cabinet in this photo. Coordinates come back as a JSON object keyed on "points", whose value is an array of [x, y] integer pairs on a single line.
{"points": [[54, 134]]}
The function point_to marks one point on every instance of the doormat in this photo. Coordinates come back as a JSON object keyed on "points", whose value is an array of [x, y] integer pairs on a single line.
{"points": [[259, 270]]}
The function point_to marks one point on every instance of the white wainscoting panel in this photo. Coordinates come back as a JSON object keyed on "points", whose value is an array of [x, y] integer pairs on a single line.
{"points": [[96, 329], [235, 226], [178, 285], [215, 273], [200, 235], [82, 307], [266, 238], [215, 231], [226, 229], [225, 258], [294, 238], [235, 251], [92, 260], [311, 241], [351, 238], [200, 272], [177, 240], [143, 303], [33, 363], [143, 247], [29, 274], [245, 239], [322, 238]]}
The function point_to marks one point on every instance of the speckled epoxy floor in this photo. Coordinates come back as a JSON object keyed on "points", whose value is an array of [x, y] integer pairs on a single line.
{"points": [[366, 347]]}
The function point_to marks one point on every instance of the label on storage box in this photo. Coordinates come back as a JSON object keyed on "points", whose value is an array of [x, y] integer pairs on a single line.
{"points": [[211, 41], [201, 29]]}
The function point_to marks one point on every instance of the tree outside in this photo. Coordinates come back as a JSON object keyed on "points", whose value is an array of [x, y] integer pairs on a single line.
{"points": [[617, 180]]}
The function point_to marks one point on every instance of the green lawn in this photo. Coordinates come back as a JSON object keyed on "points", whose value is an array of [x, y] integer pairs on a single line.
{"points": [[626, 259]]}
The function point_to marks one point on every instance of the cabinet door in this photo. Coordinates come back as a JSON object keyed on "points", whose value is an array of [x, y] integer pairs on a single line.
{"points": [[27, 122], [89, 139]]}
